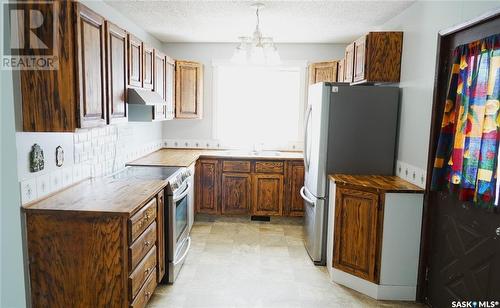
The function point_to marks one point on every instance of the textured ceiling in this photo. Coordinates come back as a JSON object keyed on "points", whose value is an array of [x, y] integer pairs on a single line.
{"points": [[286, 21]]}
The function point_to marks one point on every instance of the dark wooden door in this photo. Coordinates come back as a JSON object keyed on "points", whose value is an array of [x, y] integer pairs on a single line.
{"points": [[207, 186], [295, 178], [135, 49], [267, 196], [148, 67], [356, 233], [160, 236], [91, 66], [236, 191], [461, 248], [116, 58]]}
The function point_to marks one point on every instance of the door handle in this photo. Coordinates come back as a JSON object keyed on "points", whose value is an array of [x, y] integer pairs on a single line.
{"points": [[303, 195], [306, 158]]}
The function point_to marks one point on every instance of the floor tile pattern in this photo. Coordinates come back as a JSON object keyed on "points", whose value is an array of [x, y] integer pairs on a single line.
{"points": [[235, 262]]}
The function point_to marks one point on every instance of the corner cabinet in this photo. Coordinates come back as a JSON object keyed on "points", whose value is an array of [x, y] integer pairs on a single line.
{"points": [[373, 240], [249, 187], [116, 58], [188, 90], [323, 72]]}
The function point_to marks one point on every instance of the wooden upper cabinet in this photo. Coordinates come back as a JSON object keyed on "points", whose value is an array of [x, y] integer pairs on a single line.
{"points": [[90, 47], [378, 57], [359, 59], [357, 233], [349, 63], [207, 186], [148, 67], [267, 195], [48, 96], [170, 87], [160, 66], [341, 70], [323, 72], [236, 191], [116, 58], [295, 181], [135, 51], [189, 90]]}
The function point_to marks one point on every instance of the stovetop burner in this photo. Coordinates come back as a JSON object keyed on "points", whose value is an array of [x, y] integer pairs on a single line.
{"points": [[146, 172]]}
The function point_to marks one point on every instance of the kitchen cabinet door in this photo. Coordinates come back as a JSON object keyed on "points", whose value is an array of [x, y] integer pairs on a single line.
{"points": [[349, 63], [160, 66], [236, 191], [295, 179], [49, 103], [341, 70], [189, 90], [159, 112], [148, 67], [91, 68], [323, 72], [116, 58], [359, 59], [135, 51], [267, 196], [170, 87], [207, 186], [356, 234]]}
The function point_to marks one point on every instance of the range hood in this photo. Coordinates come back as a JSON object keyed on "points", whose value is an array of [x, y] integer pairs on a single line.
{"points": [[143, 97]]}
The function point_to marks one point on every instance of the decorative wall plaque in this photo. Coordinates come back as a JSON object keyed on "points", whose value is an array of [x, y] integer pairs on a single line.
{"points": [[36, 158], [59, 156]]}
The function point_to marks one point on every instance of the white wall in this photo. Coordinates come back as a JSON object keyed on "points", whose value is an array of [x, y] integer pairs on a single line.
{"points": [[421, 23], [206, 53]]}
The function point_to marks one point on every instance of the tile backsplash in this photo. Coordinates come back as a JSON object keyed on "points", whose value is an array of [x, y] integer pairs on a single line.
{"points": [[87, 153]]}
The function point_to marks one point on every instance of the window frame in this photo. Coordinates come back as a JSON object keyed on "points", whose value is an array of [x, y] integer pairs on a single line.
{"points": [[301, 65]]}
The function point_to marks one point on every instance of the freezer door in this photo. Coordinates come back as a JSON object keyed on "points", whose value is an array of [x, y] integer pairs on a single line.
{"points": [[316, 138], [313, 225]]}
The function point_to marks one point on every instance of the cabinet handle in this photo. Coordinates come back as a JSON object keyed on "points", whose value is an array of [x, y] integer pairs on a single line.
{"points": [[147, 243], [147, 294], [146, 271]]}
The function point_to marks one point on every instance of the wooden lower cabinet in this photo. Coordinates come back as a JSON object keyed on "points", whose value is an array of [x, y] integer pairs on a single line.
{"points": [[236, 191], [95, 259], [255, 187], [357, 232], [207, 186], [267, 196], [294, 204]]}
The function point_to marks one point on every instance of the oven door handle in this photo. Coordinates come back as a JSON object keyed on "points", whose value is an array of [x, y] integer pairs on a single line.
{"points": [[185, 252], [184, 193]]}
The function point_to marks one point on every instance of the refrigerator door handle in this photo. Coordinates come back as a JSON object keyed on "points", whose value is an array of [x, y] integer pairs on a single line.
{"points": [[303, 195], [308, 116]]}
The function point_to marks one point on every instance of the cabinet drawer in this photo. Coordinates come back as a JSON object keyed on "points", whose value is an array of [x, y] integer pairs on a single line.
{"points": [[141, 273], [269, 167], [236, 166], [141, 220], [146, 292], [141, 246]]}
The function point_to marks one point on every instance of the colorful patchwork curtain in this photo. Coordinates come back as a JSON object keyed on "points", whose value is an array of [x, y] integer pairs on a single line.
{"points": [[467, 153]]}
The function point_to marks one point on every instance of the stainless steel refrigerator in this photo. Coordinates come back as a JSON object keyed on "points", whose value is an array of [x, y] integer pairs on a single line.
{"points": [[348, 129]]}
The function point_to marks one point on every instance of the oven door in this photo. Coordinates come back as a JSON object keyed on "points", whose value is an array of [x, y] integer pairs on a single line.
{"points": [[178, 219]]}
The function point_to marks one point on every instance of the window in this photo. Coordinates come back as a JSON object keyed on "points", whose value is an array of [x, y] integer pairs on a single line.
{"points": [[259, 105]]}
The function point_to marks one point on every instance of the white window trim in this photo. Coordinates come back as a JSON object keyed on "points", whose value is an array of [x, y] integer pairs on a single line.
{"points": [[301, 64]]}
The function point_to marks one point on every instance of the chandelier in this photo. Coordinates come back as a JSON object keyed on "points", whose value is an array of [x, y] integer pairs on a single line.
{"points": [[256, 49]]}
